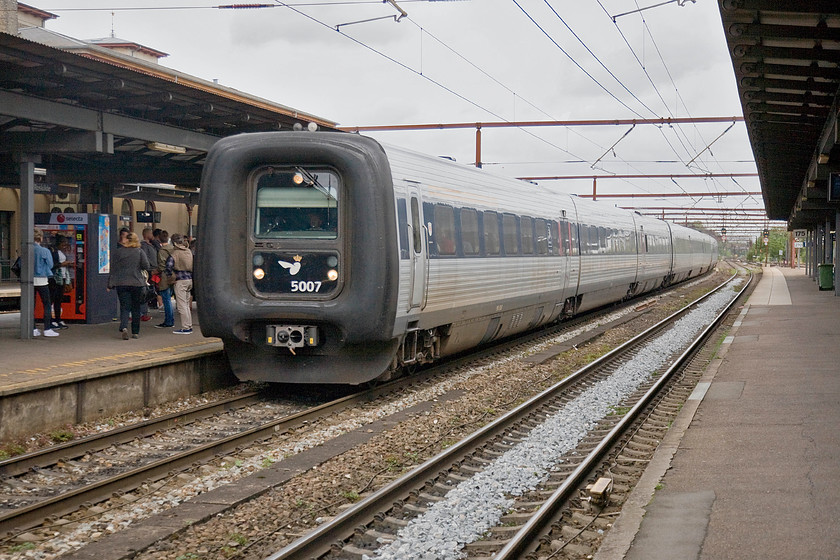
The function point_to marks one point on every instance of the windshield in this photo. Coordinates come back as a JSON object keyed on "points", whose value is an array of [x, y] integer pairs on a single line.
{"points": [[296, 203]]}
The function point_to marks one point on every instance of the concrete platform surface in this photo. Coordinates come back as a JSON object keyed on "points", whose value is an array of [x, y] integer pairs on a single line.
{"points": [[751, 467], [86, 351]]}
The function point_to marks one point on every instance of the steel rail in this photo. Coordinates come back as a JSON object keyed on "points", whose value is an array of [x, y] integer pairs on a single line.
{"points": [[29, 516], [34, 514], [72, 449], [319, 541], [526, 539]]}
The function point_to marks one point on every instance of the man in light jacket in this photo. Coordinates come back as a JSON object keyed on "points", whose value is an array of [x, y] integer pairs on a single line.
{"points": [[180, 263]]}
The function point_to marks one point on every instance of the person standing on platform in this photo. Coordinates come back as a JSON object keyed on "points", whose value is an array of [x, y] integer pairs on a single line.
{"points": [[180, 263], [156, 238], [166, 282], [151, 254], [43, 271], [60, 280], [128, 263]]}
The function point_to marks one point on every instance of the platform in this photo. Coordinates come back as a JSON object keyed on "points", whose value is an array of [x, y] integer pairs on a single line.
{"points": [[89, 371], [750, 468]]}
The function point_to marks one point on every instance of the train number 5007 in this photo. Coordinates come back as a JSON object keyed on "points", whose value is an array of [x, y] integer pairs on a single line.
{"points": [[302, 286]]}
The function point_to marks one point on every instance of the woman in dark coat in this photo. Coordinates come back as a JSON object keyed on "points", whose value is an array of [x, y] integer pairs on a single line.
{"points": [[127, 265]]}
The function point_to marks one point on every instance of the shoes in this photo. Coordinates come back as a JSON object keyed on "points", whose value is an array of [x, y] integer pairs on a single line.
{"points": [[145, 317], [60, 325], [124, 332], [36, 332], [182, 331], [163, 326], [50, 332], [135, 336]]}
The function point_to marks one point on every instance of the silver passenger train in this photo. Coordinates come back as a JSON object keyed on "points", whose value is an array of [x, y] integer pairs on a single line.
{"points": [[329, 258]]}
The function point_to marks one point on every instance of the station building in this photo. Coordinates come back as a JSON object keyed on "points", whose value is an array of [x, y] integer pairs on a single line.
{"points": [[100, 127]]}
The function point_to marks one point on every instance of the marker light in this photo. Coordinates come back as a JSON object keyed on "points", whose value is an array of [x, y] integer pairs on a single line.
{"points": [[297, 179], [332, 274], [259, 273]]}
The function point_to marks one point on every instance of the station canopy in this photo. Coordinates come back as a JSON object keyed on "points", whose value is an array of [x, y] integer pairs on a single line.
{"points": [[786, 57], [94, 117]]}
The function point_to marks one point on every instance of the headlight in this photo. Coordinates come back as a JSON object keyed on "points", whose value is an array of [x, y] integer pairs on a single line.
{"points": [[259, 273]]}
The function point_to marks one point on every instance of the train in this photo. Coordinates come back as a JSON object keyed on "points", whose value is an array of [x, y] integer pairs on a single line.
{"points": [[330, 258]]}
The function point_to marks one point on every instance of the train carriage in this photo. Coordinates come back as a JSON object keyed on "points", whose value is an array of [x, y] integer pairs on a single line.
{"points": [[328, 258]]}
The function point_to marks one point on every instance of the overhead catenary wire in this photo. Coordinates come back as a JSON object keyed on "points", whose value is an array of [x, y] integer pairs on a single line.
{"points": [[575, 62], [417, 73], [649, 78], [251, 6], [360, 2], [598, 60]]}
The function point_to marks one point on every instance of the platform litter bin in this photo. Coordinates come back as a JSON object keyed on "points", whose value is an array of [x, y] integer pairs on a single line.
{"points": [[825, 277]]}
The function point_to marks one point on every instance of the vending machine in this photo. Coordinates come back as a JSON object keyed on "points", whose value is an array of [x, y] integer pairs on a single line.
{"points": [[91, 238]]}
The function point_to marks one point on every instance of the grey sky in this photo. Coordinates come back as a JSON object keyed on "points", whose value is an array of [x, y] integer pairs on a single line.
{"points": [[285, 56]]}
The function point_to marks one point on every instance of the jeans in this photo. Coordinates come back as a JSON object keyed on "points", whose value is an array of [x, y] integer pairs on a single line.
{"points": [[131, 298], [168, 315], [44, 293], [56, 295]]}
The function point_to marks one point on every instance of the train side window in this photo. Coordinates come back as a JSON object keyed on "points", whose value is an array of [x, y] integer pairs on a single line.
{"points": [[543, 236], [585, 249], [469, 231], [560, 234], [444, 234], [526, 226], [509, 234], [574, 247], [416, 228], [492, 245]]}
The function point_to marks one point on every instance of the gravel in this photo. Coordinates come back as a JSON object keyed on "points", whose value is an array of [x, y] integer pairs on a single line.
{"points": [[276, 518], [475, 506]]}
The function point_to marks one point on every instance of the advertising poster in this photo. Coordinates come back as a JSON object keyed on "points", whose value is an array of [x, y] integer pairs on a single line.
{"points": [[104, 244]]}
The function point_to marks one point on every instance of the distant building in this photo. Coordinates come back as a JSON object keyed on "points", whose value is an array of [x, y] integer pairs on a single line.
{"points": [[128, 48], [29, 16]]}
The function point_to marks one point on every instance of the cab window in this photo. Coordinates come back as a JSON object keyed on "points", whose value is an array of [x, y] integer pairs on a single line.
{"points": [[296, 203]]}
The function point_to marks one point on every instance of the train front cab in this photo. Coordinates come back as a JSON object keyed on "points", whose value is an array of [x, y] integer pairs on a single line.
{"points": [[296, 229]]}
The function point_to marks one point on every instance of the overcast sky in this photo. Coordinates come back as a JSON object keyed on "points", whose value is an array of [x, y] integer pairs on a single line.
{"points": [[471, 61]]}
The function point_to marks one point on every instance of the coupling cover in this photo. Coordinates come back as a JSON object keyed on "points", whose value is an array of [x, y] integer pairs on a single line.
{"points": [[291, 336]]}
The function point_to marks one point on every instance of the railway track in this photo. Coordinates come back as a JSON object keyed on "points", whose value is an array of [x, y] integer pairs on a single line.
{"points": [[402, 519], [53, 466]]}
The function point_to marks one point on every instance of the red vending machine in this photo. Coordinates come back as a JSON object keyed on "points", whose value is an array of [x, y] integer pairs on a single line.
{"points": [[91, 238]]}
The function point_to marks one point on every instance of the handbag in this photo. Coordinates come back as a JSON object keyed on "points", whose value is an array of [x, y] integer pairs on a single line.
{"points": [[148, 290], [16, 267]]}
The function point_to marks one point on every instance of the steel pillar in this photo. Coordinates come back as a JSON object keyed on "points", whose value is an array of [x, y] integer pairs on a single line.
{"points": [[26, 227]]}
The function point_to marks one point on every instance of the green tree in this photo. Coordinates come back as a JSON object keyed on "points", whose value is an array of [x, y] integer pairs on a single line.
{"points": [[778, 241]]}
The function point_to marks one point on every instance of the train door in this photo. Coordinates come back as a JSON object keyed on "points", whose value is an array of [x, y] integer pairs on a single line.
{"points": [[641, 252], [572, 236], [418, 253]]}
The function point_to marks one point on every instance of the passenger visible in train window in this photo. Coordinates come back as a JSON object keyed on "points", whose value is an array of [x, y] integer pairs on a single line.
{"points": [[316, 222], [446, 245]]}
